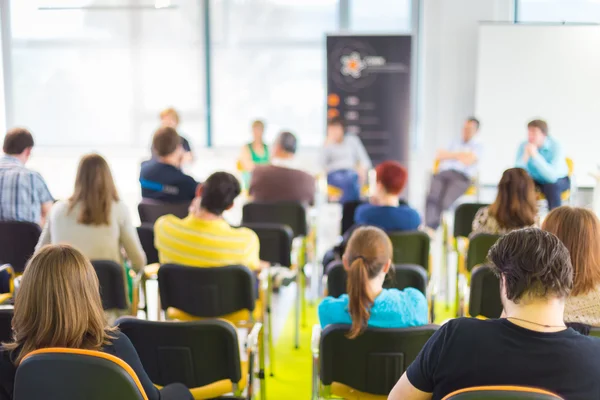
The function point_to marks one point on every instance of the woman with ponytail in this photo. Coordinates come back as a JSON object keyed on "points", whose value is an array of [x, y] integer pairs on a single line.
{"points": [[367, 260]]}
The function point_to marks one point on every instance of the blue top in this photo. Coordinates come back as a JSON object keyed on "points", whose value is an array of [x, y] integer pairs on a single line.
{"points": [[164, 182], [390, 219], [473, 146], [548, 165], [392, 309]]}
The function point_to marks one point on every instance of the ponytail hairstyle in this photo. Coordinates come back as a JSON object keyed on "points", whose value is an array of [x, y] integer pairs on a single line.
{"points": [[369, 250]]}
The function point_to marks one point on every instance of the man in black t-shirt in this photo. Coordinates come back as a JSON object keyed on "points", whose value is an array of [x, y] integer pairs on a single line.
{"points": [[530, 347], [161, 178]]}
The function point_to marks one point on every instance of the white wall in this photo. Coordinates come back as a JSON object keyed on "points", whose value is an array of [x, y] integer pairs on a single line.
{"points": [[448, 64]]}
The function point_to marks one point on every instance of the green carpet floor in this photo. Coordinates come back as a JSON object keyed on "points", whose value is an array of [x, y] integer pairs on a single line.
{"points": [[293, 367]]}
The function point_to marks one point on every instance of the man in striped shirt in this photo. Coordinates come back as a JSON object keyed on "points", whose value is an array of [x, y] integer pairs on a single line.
{"points": [[24, 196], [204, 238]]}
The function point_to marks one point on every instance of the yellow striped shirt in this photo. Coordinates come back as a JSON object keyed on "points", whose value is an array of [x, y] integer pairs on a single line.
{"points": [[202, 243]]}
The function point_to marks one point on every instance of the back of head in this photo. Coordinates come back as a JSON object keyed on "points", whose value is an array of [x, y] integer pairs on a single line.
{"points": [[16, 141], [58, 304], [392, 176], [219, 192], [287, 142], [535, 265], [165, 141], [579, 230], [368, 251], [515, 205], [94, 191]]}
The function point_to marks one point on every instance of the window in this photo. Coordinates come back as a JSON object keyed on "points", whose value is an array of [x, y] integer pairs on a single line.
{"points": [[574, 11], [380, 16]]}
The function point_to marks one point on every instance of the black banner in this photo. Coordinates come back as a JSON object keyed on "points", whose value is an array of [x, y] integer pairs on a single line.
{"points": [[368, 85]]}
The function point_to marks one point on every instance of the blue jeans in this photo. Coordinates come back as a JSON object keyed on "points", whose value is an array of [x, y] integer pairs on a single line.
{"points": [[347, 181], [552, 191]]}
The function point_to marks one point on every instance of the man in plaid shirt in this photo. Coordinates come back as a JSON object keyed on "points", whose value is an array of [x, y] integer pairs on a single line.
{"points": [[24, 195]]}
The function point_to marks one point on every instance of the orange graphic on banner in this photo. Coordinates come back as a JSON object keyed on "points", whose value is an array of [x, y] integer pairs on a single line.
{"points": [[333, 100], [332, 112]]}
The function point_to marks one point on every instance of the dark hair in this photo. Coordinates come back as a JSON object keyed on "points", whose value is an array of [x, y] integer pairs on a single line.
{"points": [[540, 124], [579, 230], [287, 141], [218, 192], [516, 203], [368, 251], [392, 175], [336, 121], [534, 263], [165, 141], [16, 141], [475, 121]]}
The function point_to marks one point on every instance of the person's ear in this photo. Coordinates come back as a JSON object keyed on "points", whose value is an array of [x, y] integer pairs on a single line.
{"points": [[387, 266], [199, 190]]}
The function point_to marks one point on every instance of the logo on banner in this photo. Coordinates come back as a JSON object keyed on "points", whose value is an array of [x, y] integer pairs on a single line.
{"points": [[353, 65]]}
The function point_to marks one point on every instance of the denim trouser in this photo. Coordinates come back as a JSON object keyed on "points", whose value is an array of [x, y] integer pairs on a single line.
{"points": [[347, 181]]}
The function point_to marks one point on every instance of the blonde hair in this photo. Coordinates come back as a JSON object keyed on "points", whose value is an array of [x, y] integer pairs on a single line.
{"points": [[58, 304], [258, 124], [579, 230], [170, 112], [95, 191]]}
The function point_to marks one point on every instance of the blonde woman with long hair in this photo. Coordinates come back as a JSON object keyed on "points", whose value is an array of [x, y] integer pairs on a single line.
{"points": [[58, 305]]}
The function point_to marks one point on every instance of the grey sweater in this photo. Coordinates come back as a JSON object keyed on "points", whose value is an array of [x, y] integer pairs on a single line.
{"points": [[345, 155], [97, 242]]}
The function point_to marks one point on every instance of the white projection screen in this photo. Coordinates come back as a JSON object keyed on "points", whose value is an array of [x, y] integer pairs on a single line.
{"points": [[539, 71]]}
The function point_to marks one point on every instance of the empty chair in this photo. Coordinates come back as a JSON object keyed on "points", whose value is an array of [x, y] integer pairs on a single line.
{"points": [[402, 276], [204, 355], [287, 213], [484, 299], [479, 245], [275, 242], [463, 219], [151, 210], [17, 243], [348, 210], [502, 393], [113, 291], [70, 374], [146, 235], [6, 315], [370, 364], [411, 248]]}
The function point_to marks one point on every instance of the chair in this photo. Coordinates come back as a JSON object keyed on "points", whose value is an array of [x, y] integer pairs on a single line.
{"points": [[203, 355], [595, 331], [366, 367], [151, 210], [17, 244], [293, 215], [113, 288], [348, 210], [146, 235], [484, 299], [402, 276], [67, 374], [502, 393], [6, 315], [195, 293], [411, 248]]}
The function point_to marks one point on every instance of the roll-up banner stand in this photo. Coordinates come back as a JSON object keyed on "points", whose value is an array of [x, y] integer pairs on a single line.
{"points": [[368, 85]]}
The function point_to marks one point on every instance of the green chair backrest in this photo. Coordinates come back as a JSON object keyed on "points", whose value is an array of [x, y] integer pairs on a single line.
{"points": [[463, 218], [479, 246], [411, 248]]}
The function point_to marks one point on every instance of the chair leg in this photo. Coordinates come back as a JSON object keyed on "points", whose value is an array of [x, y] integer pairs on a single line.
{"points": [[262, 368], [269, 316], [297, 311], [303, 297]]}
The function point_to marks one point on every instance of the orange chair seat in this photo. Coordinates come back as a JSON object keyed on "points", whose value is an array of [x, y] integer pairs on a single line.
{"points": [[235, 317]]}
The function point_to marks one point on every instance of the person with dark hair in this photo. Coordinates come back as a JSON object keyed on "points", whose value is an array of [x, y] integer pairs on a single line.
{"points": [[368, 258], [457, 167], [515, 206], [25, 195], [544, 159], [384, 209], [282, 180], [345, 160], [169, 117], [204, 238], [530, 347], [161, 178]]}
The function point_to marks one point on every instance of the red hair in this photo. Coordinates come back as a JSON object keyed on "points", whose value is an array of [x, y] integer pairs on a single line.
{"points": [[392, 175]]}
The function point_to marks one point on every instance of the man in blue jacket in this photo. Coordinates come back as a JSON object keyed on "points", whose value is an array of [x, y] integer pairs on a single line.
{"points": [[544, 159]]}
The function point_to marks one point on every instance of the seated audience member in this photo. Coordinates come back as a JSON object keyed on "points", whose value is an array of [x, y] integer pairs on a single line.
{"points": [[58, 305], [94, 220], [579, 230], [530, 347], [458, 165], [345, 160], [384, 210], [170, 118], [515, 206], [282, 181], [544, 159], [367, 260], [161, 178], [25, 196], [204, 238]]}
